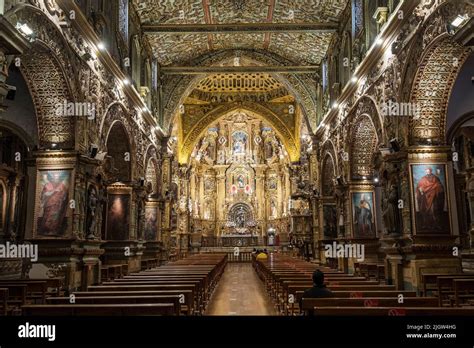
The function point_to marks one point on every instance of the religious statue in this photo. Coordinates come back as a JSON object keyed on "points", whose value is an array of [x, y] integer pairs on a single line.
{"points": [[391, 213], [273, 209], [92, 206], [240, 217], [241, 181], [239, 147], [140, 217]]}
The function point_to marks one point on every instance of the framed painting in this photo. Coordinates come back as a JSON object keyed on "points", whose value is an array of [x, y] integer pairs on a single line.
{"points": [[52, 213], [118, 216], [363, 214], [430, 202], [151, 222]]}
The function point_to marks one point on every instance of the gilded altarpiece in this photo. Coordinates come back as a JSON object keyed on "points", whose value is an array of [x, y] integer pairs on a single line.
{"points": [[239, 184]]}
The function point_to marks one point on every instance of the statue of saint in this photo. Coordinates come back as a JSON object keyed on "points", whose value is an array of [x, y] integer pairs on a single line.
{"points": [[391, 214], [92, 205]]}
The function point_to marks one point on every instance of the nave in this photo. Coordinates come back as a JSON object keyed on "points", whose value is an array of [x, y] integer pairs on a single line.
{"points": [[148, 146], [208, 284], [240, 292]]}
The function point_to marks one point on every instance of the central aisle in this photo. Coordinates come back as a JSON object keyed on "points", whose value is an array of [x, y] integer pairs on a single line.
{"points": [[240, 292]]}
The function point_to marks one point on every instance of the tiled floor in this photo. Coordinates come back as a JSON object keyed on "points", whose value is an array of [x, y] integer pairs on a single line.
{"points": [[240, 292]]}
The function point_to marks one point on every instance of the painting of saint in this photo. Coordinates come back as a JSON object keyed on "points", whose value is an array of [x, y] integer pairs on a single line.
{"points": [[430, 201], [241, 181], [329, 221], [118, 214], [53, 202], [363, 214], [151, 223]]}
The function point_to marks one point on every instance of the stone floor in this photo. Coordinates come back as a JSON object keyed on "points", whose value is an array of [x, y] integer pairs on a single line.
{"points": [[240, 292]]}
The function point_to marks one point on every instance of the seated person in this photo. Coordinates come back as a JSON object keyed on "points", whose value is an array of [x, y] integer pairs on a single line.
{"points": [[318, 290], [261, 255]]}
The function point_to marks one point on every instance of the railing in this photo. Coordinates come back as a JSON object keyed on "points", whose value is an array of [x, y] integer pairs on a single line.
{"points": [[239, 257]]}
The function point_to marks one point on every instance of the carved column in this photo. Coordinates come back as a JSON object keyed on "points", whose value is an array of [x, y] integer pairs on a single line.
{"points": [[221, 200], [168, 201], [184, 210]]}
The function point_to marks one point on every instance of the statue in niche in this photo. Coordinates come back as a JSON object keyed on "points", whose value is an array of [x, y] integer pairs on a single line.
{"points": [[268, 150], [273, 209], [240, 181], [240, 218], [140, 217], [240, 140], [391, 213], [239, 147], [92, 212]]}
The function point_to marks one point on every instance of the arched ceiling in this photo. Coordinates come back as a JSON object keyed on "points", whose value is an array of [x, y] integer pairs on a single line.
{"points": [[189, 132], [302, 47]]}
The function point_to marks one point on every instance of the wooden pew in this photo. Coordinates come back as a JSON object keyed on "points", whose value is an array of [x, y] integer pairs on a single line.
{"points": [[151, 287], [174, 299], [135, 309], [446, 287], [187, 306], [430, 281], [23, 290], [393, 311], [308, 304], [463, 290], [199, 289]]}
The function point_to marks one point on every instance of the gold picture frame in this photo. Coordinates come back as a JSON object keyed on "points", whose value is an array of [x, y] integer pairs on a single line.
{"points": [[53, 215], [431, 215], [361, 211]]}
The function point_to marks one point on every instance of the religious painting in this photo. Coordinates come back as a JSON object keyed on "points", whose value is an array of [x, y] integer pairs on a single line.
{"points": [[118, 216], [430, 199], [329, 221], [239, 143], [151, 222], [52, 213], [363, 214]]}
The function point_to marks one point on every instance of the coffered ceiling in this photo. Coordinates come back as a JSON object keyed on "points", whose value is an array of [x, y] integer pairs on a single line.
{"points": [[299, 47]]}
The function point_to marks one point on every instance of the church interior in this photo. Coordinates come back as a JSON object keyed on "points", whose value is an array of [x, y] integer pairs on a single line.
{"points": [[205, 157]]}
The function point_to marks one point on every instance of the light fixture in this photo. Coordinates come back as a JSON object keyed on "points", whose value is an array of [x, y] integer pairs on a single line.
{"points": [[101, 46], [354, 79], [459, 21], [145, 109], [322, 124], [364, 177], [335, 105], [53, 145], [126, 81], [25, 29], [379, 41], [376, 180]]}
